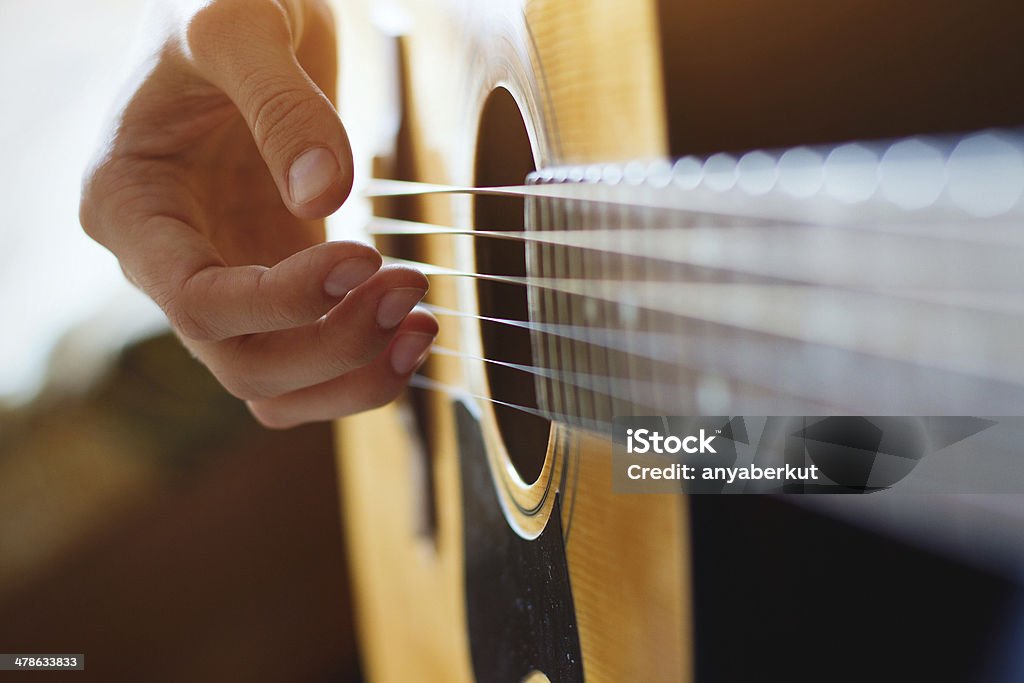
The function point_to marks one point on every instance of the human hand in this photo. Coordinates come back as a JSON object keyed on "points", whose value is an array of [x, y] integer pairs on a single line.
{"points": [[210, 189]]}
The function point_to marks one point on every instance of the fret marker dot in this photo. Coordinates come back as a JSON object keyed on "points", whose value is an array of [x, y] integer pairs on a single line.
{"points": [[720, 172], [687, 173], [851, 173], [986, 174], [756, 173], [912, 174], [800, 172]]}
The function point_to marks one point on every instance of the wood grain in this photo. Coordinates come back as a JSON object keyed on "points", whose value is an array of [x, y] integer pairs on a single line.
{"points": [[587, 78]]}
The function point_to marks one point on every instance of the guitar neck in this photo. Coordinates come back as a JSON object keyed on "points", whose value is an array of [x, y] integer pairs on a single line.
{"points": [[878, 277]]}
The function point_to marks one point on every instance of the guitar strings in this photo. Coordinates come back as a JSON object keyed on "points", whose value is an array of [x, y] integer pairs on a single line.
{"points": [[759, 309], [768, 329], [697, 351], [859, 397], [692, 352], [656, 346], [992, 232], [627, 390], [677, 348], [748, 307], [811, 210], [800, 258], [419, 381], [606, 194], [622, 388], [695, 245], [424, 382], [664, 296]]}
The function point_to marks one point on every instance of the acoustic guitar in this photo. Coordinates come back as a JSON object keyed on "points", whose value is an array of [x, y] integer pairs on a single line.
{"points": [[641, 207]]}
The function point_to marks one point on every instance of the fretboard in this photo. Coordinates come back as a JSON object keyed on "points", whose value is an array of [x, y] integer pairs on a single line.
{"points": [[863, 278]]}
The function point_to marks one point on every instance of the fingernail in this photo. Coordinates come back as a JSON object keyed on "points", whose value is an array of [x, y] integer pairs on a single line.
{"points": [[347, 275], [409, 350], [396, 304], [312, 173]]}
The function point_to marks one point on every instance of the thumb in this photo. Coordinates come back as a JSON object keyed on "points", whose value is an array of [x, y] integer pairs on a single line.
{"points": [[247, 50]]}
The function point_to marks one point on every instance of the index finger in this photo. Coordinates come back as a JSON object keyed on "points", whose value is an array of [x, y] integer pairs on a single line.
{"points": [[206, 300]]}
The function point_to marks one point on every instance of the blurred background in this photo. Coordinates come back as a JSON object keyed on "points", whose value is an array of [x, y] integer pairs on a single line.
{"points": [[145, 519]]}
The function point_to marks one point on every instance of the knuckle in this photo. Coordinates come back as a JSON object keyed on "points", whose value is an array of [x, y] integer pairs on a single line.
{"points": [[276, 307], [245, 371], [286, 109], [117, 190], [182, 315], [87, 212], [128, 274], [185, 322], [176, 303], [268, 416], [233, 378], [214, 22], [243, 385], [283, 314], [181, 306], [355, 351], [97, 185], [206, 28]]}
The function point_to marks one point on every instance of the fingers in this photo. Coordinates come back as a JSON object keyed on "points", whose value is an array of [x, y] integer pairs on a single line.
{"points": [[209, 303], [327, 315], [247, 49], [205, 300], [368, 387], [348, 338], [227, 302]]}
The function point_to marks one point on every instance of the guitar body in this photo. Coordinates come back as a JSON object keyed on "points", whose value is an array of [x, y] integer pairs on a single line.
{"points": [[478, 575], [743, 278]]}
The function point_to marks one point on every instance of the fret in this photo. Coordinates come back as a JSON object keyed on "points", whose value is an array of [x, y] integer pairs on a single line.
{"points": [[876, 304], [535, 259], [582, 361]]}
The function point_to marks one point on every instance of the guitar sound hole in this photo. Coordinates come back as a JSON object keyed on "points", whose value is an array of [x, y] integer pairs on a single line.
{"points": [[503, 157]]}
